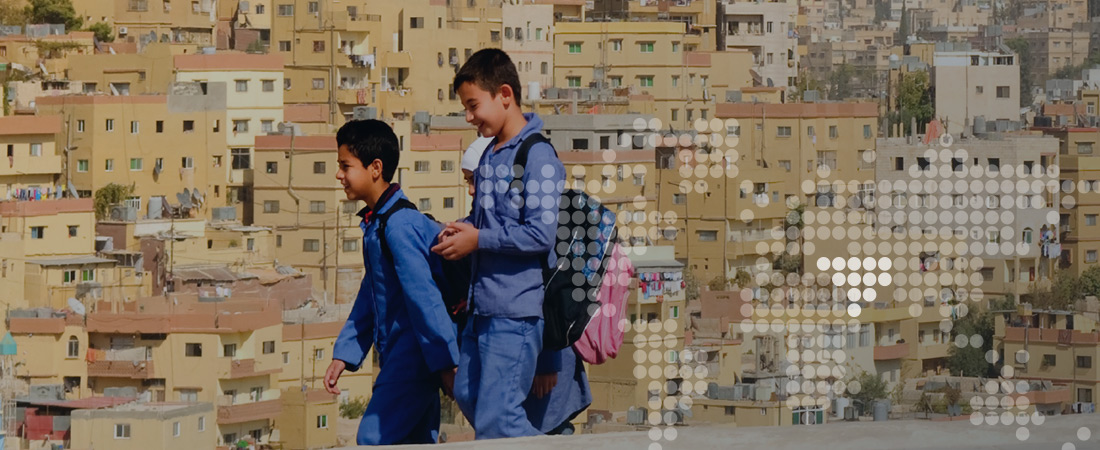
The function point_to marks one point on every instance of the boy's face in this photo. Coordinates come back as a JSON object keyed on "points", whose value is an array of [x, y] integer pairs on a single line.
{"points": [[358, 181], [469, 177], [484, 110]]}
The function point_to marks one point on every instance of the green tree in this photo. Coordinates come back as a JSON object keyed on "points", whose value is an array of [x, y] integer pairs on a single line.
{"points": [[353, 409], [1026, 59], [742, 279], [839, 82], [691, 286], [914, 101], [12, 13], [788, 263], [903, 29], [882, 11], [53, 11], [970, 361], [1090, 281], [103, 32], [718, 283], [111, 194], [871, 388]]}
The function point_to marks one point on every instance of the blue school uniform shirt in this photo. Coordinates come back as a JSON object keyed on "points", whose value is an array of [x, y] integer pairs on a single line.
{"points": [[403, 316], [507, 271]]}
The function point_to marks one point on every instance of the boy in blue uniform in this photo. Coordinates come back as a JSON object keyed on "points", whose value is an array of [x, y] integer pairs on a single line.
{"points": [[509, 233], [399, 309]]}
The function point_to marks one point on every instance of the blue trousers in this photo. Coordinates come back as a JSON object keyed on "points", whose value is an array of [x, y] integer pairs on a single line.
{"points": [[401, 413], [495, 372]]}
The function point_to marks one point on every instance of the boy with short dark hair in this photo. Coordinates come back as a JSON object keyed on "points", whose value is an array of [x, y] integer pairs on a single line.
{"points": [[510, 233], [399, 309]]}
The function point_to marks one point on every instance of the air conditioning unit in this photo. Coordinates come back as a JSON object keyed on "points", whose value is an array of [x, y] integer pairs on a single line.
{"points": [[364, 112], [123, 214], [122, 31], [227, 213]]}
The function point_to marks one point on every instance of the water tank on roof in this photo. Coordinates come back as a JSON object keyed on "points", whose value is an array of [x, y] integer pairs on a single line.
{"points": [[534, 90]]}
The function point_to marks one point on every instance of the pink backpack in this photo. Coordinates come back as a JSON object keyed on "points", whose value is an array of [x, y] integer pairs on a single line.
{"points": [[604, 333]]}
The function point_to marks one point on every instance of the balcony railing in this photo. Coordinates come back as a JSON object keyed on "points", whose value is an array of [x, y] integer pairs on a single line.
{"points": [[121, 369], [889, 352], [247, 412]]}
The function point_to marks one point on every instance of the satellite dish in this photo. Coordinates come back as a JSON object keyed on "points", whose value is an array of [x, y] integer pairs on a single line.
{"points": [[76, 306]]}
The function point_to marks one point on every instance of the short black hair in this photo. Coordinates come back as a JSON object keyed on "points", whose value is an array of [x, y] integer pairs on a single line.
{"points": [[489, 69], [369, 140]]}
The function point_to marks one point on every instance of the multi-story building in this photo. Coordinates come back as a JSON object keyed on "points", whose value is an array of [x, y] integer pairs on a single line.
{"points": [[775, 157], [1028, 237], [1052, 50], [435, 184], [1079, 168], [34, 157], [650, 59], [149, 72], [47, 56], [344, 56], [528, 40], [144, 22], [1057, 346], [1053, 15], [309, 418], [226, 354], [975, 84], [135, 425], [767, 30], [169, 147], [253, 107]]}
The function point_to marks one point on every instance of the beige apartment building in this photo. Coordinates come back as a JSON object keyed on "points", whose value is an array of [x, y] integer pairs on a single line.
{"points": [[974, 84], [698, 16], [1077, 229], [649, 58], [167, 146], [435, 184], [253, 107], [133, 426], [1057, 346], [383, 55], [148, 21], [33, 155], [150, 71], [1055, 49], [774, 156], [529, 41], [224, 354], [767, 30], [1054, 15]]}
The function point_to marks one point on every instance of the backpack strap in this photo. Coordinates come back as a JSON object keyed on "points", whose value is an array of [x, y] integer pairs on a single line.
{"points": [[519, 163], [402, 203]]}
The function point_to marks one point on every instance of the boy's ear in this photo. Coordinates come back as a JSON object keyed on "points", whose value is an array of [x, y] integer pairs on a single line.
{"points": [[507, 94], [376, 168]]}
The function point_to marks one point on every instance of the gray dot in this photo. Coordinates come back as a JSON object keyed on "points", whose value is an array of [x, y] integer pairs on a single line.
{"points": [[486, 202], [501, 186], [502, 170], [533, 201], [547, 186], [547, 171], [547, 217], [533, 187], [578, 217]]}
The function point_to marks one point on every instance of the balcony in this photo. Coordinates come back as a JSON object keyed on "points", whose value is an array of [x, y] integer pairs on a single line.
{"points": [[1051, 397], [1050, 336], [44, 164], [121, 369], [890, 352], [247, 412], [934, 351], [231, 369]]}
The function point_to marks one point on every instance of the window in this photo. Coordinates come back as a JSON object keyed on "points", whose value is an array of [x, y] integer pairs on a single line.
{"points": [[187, 162], [318, 83], [1049, 360], [267, 126], [1090, 256], [80, 126], [447, 166], [272, 167], [785, 164], [416, 22], [322, 421], [674, 312], [319, 167], [574, 47], [87, 275], [284, 46], [241, 158], [72, 230], [675, 80], [783, 131], [580, 144], [311, 245], [616, 81], [350, 245], [994, 164], [271, 206], [1003, 92], [318, 46], [192, 349], [109, 165], [36, 149], [286, 10], [110, 125], [545, 69], [424, 204], [286, 358], [82, 165], [318, 354], [240, 125], [1084, 362], [679, 199], [69, 276], [175, 429], [707, 235], [448, 202], [675, 47], [188, 126], [923, 164], [645, 47], [645, 80], [241, 85], [269, 347], [1090, 220], [867, 132], [1084, 148], [313, 7], [122, 431], [229, 438], [136, 163], [189, 396], [74, 347], [834, 132], [229, 350], [259, 10]]}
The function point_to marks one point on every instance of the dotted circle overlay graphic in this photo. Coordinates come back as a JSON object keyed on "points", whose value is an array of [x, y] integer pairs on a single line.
{"points": [[814, 310]]}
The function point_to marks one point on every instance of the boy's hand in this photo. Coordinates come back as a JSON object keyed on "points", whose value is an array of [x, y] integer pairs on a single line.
{"points": [[447, 376], [461, 242], [333, 374], [543, 384]]}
